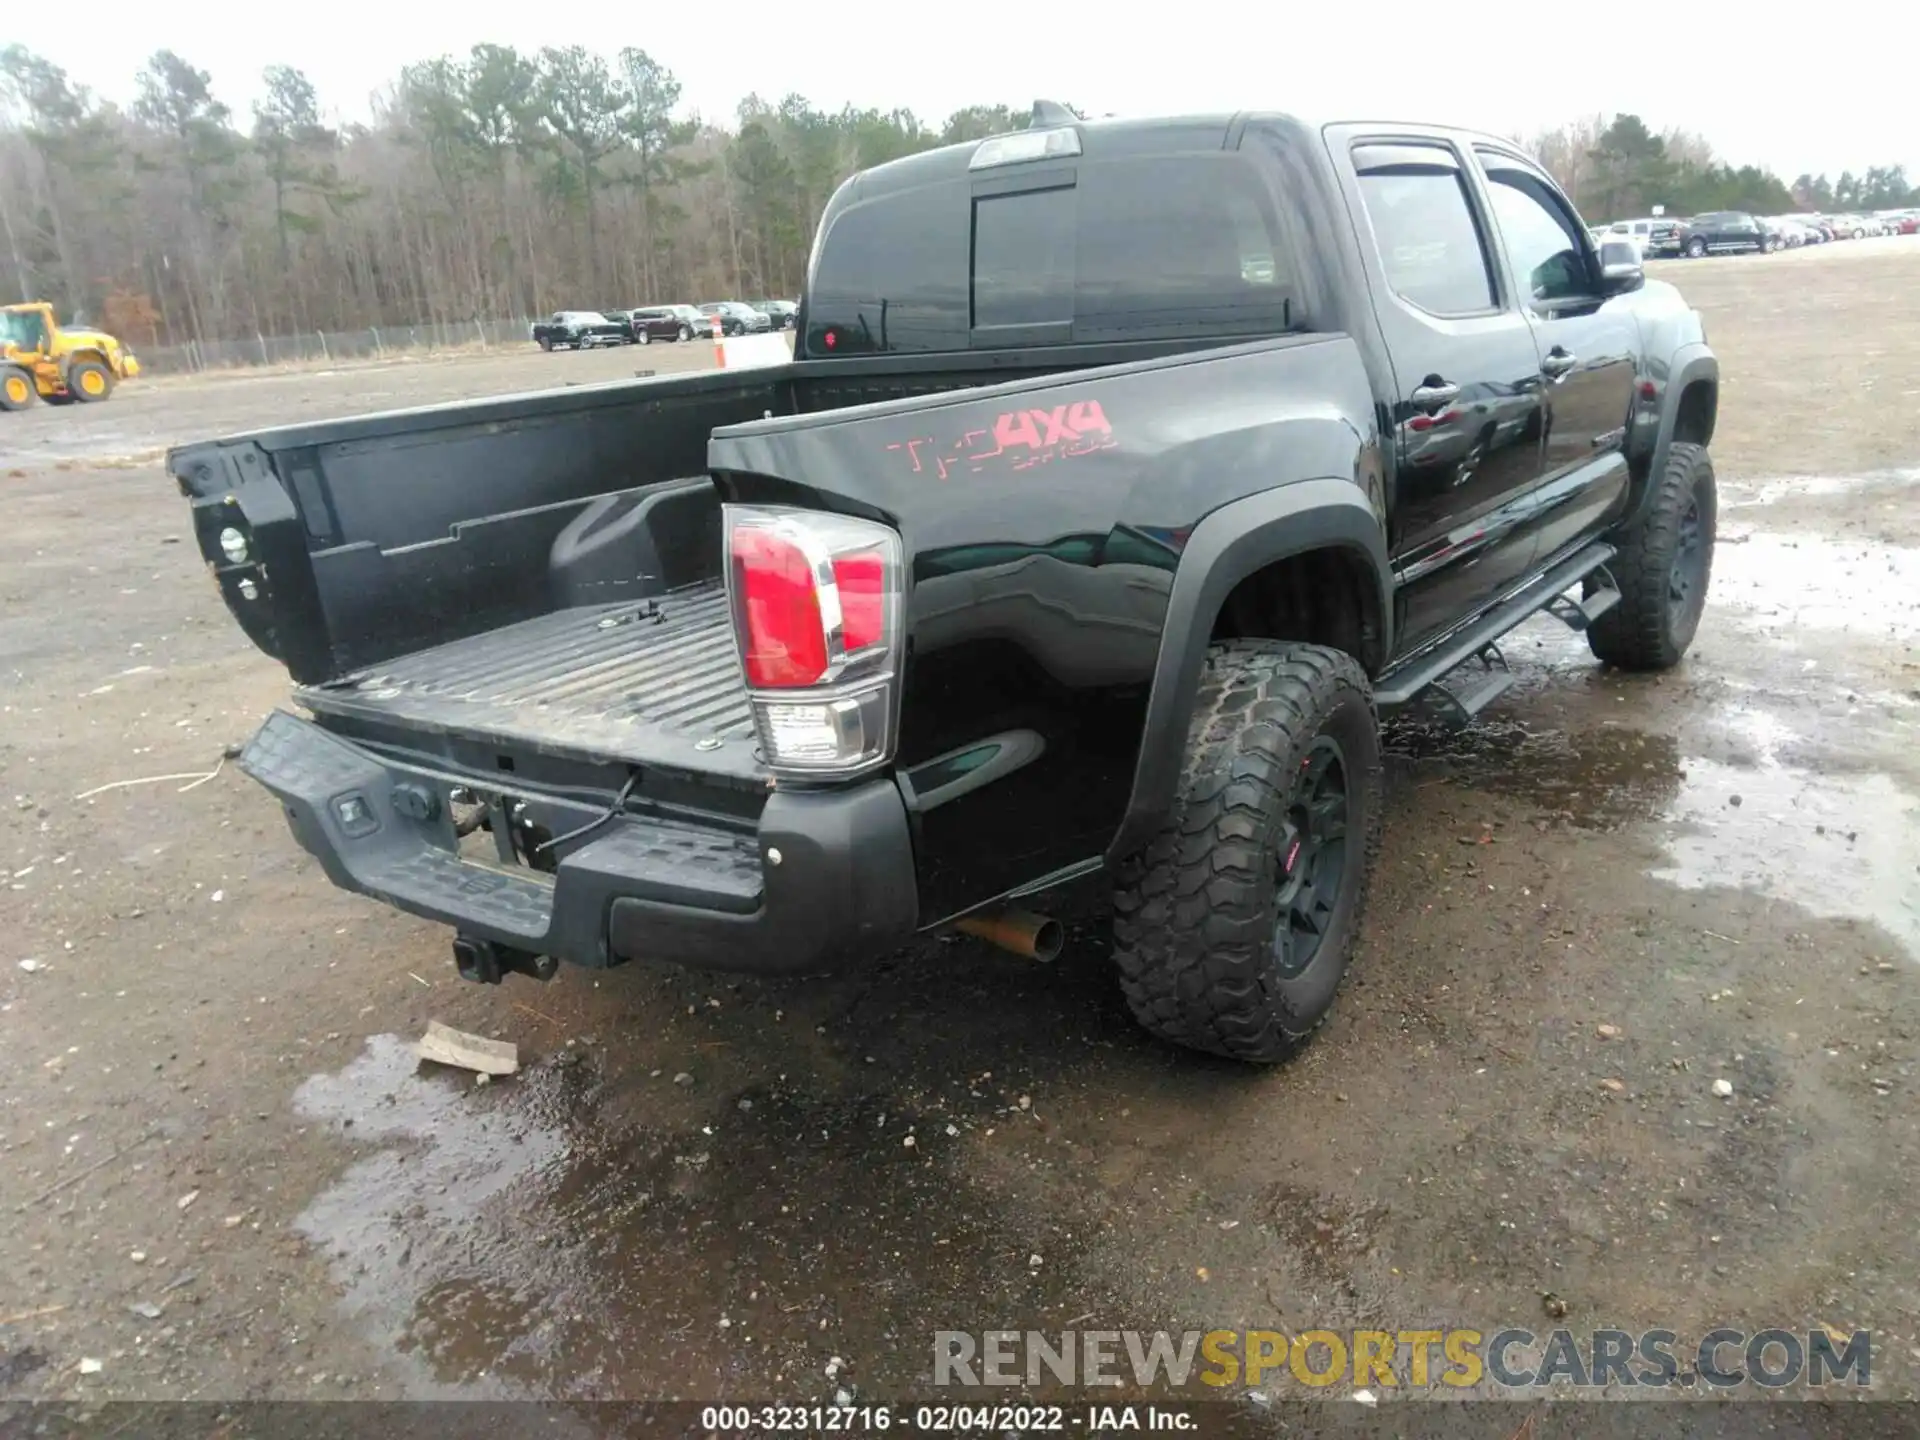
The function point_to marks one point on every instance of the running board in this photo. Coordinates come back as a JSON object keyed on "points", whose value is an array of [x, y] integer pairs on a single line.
{"points": [[1466, 691], [1468, 697], [1578, 614]]}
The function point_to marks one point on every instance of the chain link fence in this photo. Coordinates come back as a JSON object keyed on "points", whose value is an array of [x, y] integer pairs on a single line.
{"points": [[325, 347]]}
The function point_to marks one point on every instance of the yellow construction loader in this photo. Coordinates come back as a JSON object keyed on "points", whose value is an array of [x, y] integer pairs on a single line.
{"points": [[40, 361]]}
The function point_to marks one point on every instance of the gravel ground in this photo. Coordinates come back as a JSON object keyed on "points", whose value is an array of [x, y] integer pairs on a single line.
{"points": [[225, 1176]]}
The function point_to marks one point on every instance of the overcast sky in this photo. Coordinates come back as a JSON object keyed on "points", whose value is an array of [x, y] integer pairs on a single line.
{"points": [[1830, 85]]}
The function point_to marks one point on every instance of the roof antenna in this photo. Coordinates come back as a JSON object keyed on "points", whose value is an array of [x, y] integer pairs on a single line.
{"points": [[1048, 112]]}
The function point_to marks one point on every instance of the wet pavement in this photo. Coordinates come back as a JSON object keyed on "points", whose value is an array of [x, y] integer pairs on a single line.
{"points": [[806, 1217], [1610, 894]]}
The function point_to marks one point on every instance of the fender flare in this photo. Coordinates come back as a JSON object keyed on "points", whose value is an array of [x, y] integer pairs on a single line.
{"points": [[1692, 362], [1230, 544]]}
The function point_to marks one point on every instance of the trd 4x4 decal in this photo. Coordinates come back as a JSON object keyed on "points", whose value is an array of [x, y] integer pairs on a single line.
{"points": [[1019, 440]]}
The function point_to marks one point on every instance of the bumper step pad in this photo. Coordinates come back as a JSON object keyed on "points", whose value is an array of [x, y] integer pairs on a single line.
{"points": [[340, 804]]}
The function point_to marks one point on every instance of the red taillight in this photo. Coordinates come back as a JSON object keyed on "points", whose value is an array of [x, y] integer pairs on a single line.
{"points": [[813, 595], [861, 581], [817, 602], [785, 643]]}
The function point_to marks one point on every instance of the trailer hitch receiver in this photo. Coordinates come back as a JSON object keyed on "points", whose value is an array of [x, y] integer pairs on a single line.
{"points": [[486, 963]]}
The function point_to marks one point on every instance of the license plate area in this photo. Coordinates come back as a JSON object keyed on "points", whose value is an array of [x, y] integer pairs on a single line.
{"points": [[496, 831]]}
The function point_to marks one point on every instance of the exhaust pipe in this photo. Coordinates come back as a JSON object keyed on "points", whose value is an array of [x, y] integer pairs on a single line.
{"points": [[1036, 937]]}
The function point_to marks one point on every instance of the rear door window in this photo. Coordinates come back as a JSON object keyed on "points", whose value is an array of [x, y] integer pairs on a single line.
{"points": [[1429, 241]]}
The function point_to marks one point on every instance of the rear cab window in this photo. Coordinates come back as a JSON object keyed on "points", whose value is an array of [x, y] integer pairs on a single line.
{"points": [[1094, 248]]}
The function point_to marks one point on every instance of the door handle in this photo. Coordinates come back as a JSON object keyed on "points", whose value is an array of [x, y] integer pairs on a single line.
{"points": [[1557, 363], [1435, 394]]}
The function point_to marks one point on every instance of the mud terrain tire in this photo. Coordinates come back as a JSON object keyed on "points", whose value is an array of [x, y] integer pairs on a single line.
{"points": [[1663, 569], [1272, 835]]}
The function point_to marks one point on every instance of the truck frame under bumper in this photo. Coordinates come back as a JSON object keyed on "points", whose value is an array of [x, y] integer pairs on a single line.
{"points": [[827, 879]]}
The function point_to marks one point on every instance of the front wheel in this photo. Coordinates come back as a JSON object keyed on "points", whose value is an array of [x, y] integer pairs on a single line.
{"points": [[644, 337], [685, 333], [89, 381], [1663, 569], [1233, 925], [1696, 247]]}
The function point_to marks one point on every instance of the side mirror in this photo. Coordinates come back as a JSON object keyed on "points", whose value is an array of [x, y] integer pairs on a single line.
{"points": [[1621, 270]]}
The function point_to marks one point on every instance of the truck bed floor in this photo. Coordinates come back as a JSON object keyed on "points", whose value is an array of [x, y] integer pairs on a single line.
{"points": [[638, 681]]}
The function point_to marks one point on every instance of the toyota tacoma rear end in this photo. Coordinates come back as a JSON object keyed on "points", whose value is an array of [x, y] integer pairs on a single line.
{"points": [[1123, 471]]}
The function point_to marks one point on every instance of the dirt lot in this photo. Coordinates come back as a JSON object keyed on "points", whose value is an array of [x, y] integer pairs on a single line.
{"points": [[225, 1176]]}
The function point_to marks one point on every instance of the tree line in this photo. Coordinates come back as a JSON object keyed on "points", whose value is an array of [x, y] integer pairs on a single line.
{"points": [[1616, 168], [504, 183]]}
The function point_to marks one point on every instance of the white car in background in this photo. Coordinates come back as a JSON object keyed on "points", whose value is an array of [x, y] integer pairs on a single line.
{"points": [[1651, 235], [1794, 233]]}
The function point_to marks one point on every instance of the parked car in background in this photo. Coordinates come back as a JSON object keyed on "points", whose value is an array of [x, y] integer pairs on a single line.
{"points": [[736, 317], [622, 318], [1655, 235], [667, 322], [1793, 233], [1906, 223], [1723, 232], [580, 330], [702, 325], [780, 313]]}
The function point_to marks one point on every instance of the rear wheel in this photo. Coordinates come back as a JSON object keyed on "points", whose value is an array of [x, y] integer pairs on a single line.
{"points": [[17, 390], [1663, 569], [89, 381], [1232, 926]]}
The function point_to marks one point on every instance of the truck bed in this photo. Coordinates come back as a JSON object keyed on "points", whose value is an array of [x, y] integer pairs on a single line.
{"points": [[640, 681], [377, 537]]}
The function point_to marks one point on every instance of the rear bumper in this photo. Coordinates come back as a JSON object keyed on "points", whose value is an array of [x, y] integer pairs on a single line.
{"points": [[842, 889]]}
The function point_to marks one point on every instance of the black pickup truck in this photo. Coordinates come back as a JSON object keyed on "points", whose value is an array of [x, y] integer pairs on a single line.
{"points": [[581, 330], [1124, 471]]}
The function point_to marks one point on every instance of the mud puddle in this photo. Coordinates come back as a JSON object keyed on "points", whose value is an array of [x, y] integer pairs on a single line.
{"points": [[1838, 845], [511, 1241], [1758, 814], [1783, 584], [1593, 780]]}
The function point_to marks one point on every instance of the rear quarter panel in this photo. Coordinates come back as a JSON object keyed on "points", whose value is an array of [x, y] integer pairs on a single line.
{"points": [[1044, 525]]}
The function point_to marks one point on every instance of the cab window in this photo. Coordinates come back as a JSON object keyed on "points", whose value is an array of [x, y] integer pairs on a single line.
{"points": [[1424, 228], [1549, 261]]}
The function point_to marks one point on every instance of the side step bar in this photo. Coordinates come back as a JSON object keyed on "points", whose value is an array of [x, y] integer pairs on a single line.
{"points": [[1465, 697]]}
